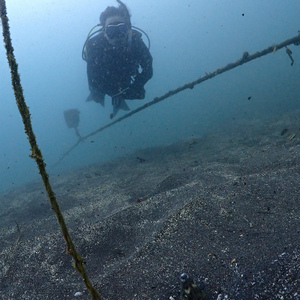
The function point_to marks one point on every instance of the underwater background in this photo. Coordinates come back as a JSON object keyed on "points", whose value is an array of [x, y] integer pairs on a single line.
{"points": [[188, 39]]}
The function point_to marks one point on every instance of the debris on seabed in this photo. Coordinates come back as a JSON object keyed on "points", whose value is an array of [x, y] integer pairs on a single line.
{"points": [[291, 137]]}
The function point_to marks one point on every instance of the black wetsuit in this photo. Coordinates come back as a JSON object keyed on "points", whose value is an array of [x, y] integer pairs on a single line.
{"points": [[110, 70]]}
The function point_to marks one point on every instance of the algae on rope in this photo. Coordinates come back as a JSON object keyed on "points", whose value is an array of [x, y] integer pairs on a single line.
{"points": [[36, 152]]}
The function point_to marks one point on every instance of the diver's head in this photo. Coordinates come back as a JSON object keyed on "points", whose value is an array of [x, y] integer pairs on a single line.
{"points": [[117, 31], [116, 24]]}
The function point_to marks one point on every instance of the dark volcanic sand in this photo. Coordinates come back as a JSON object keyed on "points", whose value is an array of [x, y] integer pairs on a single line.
{"points": [[223, 208]]}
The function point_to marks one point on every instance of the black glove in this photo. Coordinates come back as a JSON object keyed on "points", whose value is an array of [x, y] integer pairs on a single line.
{"points": [[135, 91]]}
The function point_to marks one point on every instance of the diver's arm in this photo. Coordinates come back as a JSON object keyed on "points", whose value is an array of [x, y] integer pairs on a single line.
{"points": [[97, 93], [145, 61], [93, 77], [95, 66]]}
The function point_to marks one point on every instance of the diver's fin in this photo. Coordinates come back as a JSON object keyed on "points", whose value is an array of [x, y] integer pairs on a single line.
{"points": [[123, 105], [92, 98], [89, 98]]}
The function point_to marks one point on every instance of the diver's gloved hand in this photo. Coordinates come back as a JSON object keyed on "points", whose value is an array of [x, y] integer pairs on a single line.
{"points": [[135, 91], [97, 97]]}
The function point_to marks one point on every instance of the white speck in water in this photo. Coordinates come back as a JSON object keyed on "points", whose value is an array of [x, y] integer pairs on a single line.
{"points": [[77, 294]]}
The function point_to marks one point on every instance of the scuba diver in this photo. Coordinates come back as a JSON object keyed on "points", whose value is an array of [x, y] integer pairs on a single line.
{"points": [[119, 63]]}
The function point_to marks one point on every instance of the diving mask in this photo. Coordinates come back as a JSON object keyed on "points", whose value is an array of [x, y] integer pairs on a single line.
{"points": [[117, 30]]}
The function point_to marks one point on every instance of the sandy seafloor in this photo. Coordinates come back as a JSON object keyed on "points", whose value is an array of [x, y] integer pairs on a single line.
{"points": [[223, 208]]}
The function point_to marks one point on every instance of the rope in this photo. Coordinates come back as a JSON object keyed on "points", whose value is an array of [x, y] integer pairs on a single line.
{"points": [[36, 153], [245, 58]]}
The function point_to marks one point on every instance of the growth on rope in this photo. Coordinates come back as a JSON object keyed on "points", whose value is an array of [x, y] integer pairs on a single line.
{"points": [[36, 153], [245, 59]]}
